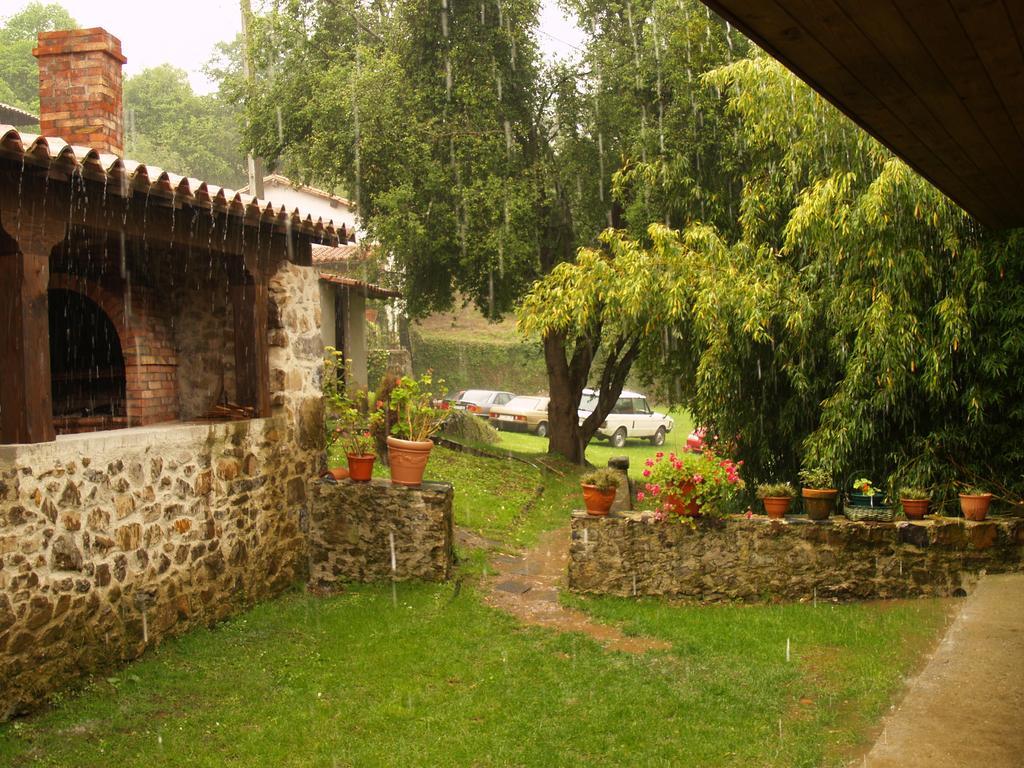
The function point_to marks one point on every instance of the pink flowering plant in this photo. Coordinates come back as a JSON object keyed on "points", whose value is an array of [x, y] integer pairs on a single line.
{"points": [[705, 479]]}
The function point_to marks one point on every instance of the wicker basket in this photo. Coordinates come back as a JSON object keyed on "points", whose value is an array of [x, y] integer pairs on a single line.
{"points": [[878, 514]]}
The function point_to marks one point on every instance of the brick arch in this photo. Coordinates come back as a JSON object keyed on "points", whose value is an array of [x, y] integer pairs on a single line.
{"points": [[150, 361]]}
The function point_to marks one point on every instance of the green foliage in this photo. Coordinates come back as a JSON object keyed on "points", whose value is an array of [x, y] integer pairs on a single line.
{"points": [[464, 427], [412, 400], [975, 490], [169, 125], [816, 477], [859, 319], [376, 366], [775, 490], [914, 493], [483, 364], [19, 71], [349, 418], [604, 479]]}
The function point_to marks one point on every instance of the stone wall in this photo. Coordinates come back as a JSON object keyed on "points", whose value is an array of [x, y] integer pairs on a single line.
{"points": [[758, 559], [110, 541], [352, 526]]}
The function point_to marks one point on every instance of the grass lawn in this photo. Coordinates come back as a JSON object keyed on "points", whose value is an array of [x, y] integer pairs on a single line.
{"points": [[437, 678]]}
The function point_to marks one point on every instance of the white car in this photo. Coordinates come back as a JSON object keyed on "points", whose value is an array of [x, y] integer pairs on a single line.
{"points": [[631, 417]]}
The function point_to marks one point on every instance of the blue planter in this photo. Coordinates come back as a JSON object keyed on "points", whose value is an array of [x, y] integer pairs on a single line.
{"points": [[858, 499]]}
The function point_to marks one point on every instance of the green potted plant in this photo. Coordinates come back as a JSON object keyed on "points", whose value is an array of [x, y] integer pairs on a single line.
{"points": [[777, 498], [599, 488], [349, 422], [690, 485], [974, 503], [415, 420], [914, 501], [818, 492]]}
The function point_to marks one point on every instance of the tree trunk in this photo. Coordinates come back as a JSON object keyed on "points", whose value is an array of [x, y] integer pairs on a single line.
{"points": [[564, 391]]}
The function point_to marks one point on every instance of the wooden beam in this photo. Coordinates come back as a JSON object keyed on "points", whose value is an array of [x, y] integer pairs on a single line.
{"points": [[26, 400], [249, 299]]}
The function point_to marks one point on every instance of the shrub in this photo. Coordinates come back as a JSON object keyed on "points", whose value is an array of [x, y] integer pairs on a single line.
{"points": [[975, 490], [604, 479], [467, 428], [912, 492], [775, 490], [816, 477], [702, 478]]}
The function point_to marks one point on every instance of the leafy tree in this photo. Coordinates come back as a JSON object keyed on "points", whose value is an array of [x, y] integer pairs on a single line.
{"points": [[19, 73], [859, 320], [169, 125], [478, 169]]}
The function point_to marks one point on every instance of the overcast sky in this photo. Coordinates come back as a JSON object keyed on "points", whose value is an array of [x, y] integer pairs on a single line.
{"points": [[183, 32]]}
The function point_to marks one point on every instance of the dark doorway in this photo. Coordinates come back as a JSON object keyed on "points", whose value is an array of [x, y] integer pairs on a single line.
{"points": [[86, 365]]}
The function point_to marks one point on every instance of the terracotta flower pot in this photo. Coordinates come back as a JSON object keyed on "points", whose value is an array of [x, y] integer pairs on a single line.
{"points": [[915, 509], [975, 507], [819, 503], [597, 502], [776, 507], [360, 466], [338, 473], [681, 505], [408, 460]]}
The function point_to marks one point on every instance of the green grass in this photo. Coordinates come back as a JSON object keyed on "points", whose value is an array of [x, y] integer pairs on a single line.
{"points": [[437, 678]]}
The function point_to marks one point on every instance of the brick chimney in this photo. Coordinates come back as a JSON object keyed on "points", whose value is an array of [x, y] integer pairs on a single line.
{"points": [[80, 88]]}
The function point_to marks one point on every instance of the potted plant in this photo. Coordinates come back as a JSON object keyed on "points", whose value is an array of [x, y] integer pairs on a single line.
{"points": [[599, 487], [776, 498], [819, 495], [914, 501], [415, 420], [690, 485], [974, 503]]}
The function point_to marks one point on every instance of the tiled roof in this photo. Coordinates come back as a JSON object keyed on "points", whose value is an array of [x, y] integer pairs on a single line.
{"points": [[371, 290], [327, 254], [277, 179], [12, 114], [131, 176]]}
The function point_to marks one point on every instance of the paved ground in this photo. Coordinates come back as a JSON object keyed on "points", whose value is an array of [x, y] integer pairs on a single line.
{"points": [[966, 708], [527, 587]]}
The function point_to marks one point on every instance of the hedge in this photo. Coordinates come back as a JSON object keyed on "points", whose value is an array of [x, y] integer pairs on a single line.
{"points": [[517, 367]]}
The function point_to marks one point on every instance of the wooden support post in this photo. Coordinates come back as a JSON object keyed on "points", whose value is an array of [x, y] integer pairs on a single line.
{"points": [[26, 400], [252, 355]]}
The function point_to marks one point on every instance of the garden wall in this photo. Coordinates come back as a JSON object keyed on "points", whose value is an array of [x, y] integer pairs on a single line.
{"points": [[353, 525], [110, 541], [756, 559]]}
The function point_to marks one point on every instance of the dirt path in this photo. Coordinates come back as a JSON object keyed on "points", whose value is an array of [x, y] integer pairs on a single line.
{"points": [[966, 708], [527, 587]]}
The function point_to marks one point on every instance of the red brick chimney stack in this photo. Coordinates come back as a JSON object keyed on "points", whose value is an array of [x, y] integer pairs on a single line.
{"points": [[80, 88]]}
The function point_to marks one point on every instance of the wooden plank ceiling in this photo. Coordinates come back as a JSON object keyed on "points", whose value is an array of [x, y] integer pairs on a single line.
{"points": [[940, 82]]}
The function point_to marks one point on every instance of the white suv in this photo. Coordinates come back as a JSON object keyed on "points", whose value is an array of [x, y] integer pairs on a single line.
{"points": [[631, 417]]}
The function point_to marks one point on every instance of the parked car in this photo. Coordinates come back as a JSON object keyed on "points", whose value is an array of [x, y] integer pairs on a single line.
{"points": [[631, 417], [522, 414], [446, 403], [695, 440], [480, 401]]}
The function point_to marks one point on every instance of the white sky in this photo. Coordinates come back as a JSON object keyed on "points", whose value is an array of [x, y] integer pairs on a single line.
{"points": [[183, 32]]}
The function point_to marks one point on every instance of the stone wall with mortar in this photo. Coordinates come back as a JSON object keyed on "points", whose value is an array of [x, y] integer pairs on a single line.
{"points": [[110, 541], [352, 526], [757, 559]]}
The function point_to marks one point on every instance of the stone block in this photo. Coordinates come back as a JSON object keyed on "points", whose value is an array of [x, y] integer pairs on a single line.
{"points": [[64, 554]]}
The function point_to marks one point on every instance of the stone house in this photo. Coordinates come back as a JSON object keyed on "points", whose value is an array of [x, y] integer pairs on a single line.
{"points": [[343, 294], [160, 406]]}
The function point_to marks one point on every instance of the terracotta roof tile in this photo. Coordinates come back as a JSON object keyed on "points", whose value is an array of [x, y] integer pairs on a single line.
{"points": [[128, 176]]}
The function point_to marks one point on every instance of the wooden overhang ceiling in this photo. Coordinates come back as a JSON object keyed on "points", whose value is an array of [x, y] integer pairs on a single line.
{"points": [[939, 82]]}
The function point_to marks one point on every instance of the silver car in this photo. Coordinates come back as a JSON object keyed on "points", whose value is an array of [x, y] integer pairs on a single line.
{"points": [[480, 401]]}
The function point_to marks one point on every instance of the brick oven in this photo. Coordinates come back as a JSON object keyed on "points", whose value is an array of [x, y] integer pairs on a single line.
{"points": [[132, 296]]}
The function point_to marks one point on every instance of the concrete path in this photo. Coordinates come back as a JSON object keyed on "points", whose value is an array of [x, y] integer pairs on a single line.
{"points": [[527, 587], [966, 708]]}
